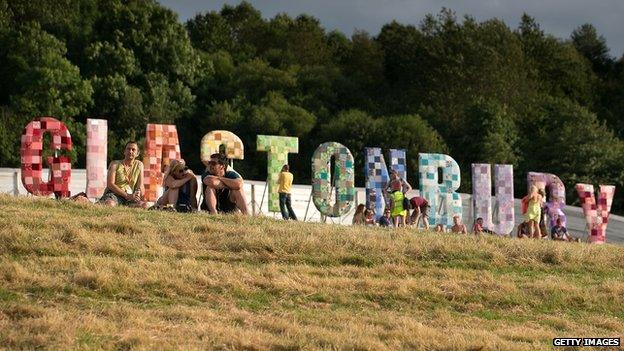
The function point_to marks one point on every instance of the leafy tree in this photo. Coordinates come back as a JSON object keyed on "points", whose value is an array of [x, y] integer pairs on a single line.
{"points": [[40, 81], [560, 69], [210, 32], [593, 46]]}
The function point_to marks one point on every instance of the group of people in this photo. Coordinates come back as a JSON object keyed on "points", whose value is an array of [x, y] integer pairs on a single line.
{"points": [[397, 214], [222, 186], [534, 225], [222, 189]]}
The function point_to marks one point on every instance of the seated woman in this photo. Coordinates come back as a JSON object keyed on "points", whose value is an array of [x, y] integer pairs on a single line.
{"points": [[369, 217], [180, 186], [523, 230], [124, 181], [386, 219], [358, 217]]}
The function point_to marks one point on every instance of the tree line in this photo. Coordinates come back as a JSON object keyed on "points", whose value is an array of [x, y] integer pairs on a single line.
{"points": [[479, 91]]}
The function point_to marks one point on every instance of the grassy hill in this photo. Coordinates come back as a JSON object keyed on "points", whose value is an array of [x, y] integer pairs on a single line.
{"points": [[87, 277]]}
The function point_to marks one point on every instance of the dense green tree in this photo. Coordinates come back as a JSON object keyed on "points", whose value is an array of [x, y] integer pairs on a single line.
{"points": [[559, 68], [593, 46], [210, 32], [39, 81]]}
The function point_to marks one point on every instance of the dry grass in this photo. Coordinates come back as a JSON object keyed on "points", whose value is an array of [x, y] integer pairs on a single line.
{"points": [[80, 277]]}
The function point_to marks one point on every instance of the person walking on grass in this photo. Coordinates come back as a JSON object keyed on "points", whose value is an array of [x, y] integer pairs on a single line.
{"points": [[285, 181]]}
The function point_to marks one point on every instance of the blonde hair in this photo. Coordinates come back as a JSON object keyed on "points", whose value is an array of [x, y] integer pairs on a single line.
{"points": [[174, 165], [533, 189]]}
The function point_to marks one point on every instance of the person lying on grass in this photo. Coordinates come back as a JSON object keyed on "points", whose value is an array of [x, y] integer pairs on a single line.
{"points": [[124, 181]]}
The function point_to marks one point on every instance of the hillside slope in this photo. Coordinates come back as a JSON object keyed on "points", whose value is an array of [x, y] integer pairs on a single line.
{"points": [[75, 276]]}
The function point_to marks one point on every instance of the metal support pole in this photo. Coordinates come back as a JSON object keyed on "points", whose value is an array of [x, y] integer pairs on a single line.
{"points": [[307, 207], [253, 199], [266, 186], [15, 184]]}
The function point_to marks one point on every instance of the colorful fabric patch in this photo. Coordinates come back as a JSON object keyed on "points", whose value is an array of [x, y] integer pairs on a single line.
{"points": [[596, 212], [97, 149], [440, 195], [31, 152], [377, 176], [343, 179], [278, 148], [211, 142], [482, 196], [161, 146]]}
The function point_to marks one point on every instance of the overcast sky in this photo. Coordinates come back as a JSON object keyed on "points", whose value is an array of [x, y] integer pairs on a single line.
{"points": [[557, 17]]}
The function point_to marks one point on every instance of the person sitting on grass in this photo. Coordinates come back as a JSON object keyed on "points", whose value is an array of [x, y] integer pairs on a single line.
{"points": [[223, 191], [369, 217], [523, 230], [358, 216], [479, 229], [440, 228], [560, 233], [386, 219], [458, 227], [180, 186], [124, 181]]}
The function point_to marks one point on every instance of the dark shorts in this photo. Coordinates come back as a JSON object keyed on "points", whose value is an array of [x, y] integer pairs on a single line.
{"points": [[184, 195], [424, 211], [109, 195], [224, 205]]}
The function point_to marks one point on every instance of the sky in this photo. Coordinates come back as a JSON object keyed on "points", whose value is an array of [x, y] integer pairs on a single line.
{"points": [[556, 17]]}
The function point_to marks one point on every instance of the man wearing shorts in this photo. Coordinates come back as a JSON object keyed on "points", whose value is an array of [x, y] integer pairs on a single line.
{"points": [[421, 211], [223, 192], [124, 180]]}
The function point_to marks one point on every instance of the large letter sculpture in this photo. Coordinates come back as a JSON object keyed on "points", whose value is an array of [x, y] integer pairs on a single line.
{"points": [[556, 203], [343, 179], [278, 148], [211, 142], [31, 152], [596, 213], [482, 196], [161, 146], [436, 192], [97, 147], [377, 175]]}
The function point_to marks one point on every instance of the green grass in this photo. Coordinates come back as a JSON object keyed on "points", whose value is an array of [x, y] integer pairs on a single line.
{"points": [[88, 277]]}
